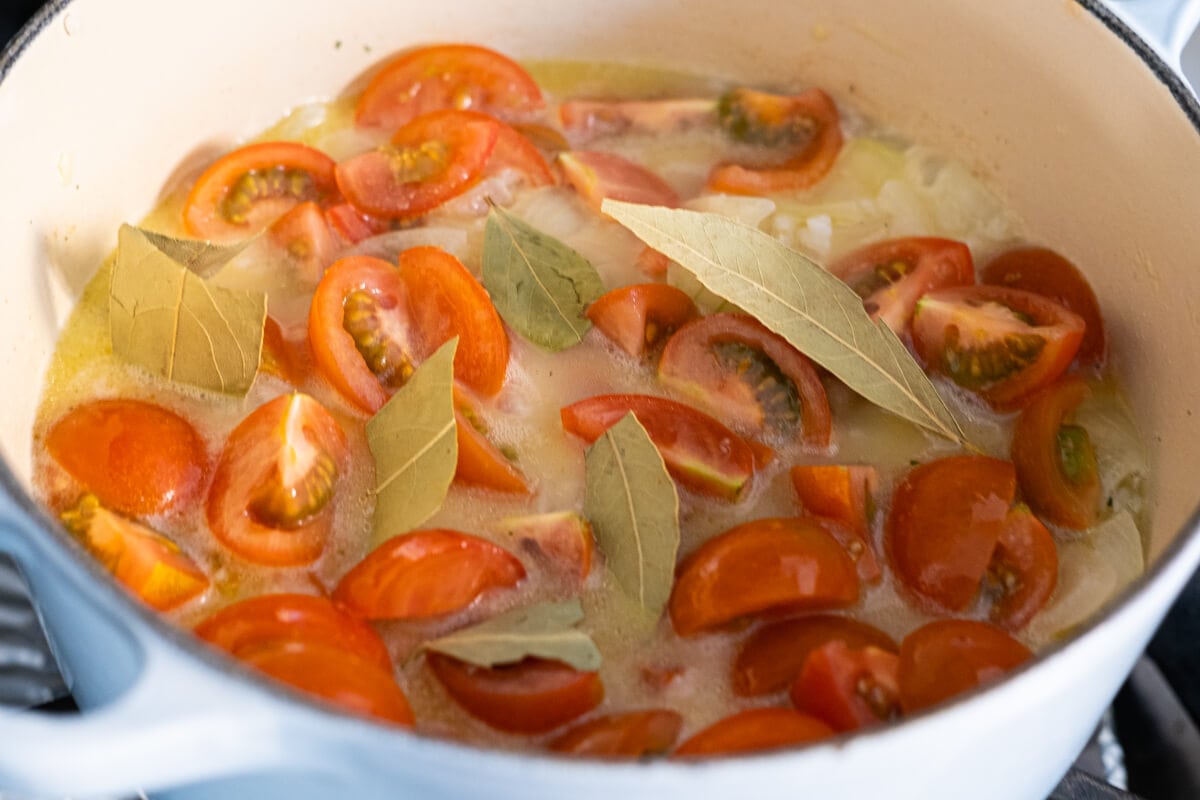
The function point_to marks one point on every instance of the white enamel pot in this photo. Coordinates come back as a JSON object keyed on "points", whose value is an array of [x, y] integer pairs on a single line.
{"points": [[1074, 121]]}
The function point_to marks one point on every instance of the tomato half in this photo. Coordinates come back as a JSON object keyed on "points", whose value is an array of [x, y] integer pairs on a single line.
{"points": [[805, 127], [790, 564], [747, 376], [480, 463], [245, 191], [773, 656], [1023, 571], [453, 76], [1045, 272], [353, 226], [848, 688], [639, 317], [1055, 459], [753, 730], [952, 656], [700, 453], [426, 574], [945, 520], [1002, 343], [137, 457], [303, 236], [272, 495], [287, 358], [561, 542], [631, 735], [891, 276], [532, 696], [845, 495], [515, 152], [598, 174]]}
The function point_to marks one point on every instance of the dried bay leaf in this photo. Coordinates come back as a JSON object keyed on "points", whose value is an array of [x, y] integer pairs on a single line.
{"points": [[201, 257], [793, 296], [170, 321], [632, 504], [540, 286], [415, 445], [546, 630]]}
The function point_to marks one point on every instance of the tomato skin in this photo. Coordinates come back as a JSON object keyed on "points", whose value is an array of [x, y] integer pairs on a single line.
{"points": [[700, 453], [426, 574], [561, 542], [480, 463], [288, 359], [848, 688], [597, 175], [753, 730], [532, 696], [630, 735], [951, 656], [137, 457], [304, 236], [460, 76], [638, 317], [945, 520], [692, 364], [762, 565], [842, 494], [514, 151], [206, 214], [352, 226], [1025, 565], [773, 656]]}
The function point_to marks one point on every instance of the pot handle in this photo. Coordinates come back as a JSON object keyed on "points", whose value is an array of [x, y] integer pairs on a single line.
{"points": [[1166, 25]]}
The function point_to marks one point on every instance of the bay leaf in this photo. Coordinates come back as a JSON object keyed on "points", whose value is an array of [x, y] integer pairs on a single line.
{"points": [[634, 510], [170, 321], [546, 630], [415, 444], [540, 286], [799, 300], [201, 257]]}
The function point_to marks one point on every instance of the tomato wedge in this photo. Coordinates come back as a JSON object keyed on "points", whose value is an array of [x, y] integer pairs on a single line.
{"points": [[631, 735], [639, 317], [790, 564], [1023, 569], [952, 656], [1055, 460], [137, 457], [806, 127], [245, 191], [480, 463], [515, 152], [560, 542], [304, 237], [700, 453], [597, 175], [753, 730], [848, 688], [1002, 343], [274, 489], [286, 358], [747, 376], [891, 276], [845, 495], [426, 574], [535, 695], [352, 225], [454, 76]]}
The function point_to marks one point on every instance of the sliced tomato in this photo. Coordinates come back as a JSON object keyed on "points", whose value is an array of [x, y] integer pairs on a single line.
{"points": [[1023, 569], [480, 463], [561, 542], [245, 191], [137, 457], [790, 564], [515, 152], [747, 376], [590, 119], [805, 128], [753, 730], [848, 688], [287, 358], [773, 656], [598, 175], [1045, 272], [845, 495], [1055, 459], [1002, 343], [353, 226], [426, 574], [952, 656], [304, 237], [430, 160], [891, 276], [274, 489], [535, 695], [641, 316], [545, 138], [634, 734], [652, 263], [700, 453], [453, 76]]}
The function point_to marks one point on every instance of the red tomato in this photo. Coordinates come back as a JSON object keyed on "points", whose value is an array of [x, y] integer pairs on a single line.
{"points": [[454, 76], [285, 358], [764, 565], [535, 695], [1055, 460], [845, 495], [598, 175], [561, 542], [1002, 343], [272, 495], [848, 688], [430, 160], [244, 191], [631, 735], [747, 376], [638, 317], [426, 574], [952, 656], [891, 276], [773, 656], [479, 461], [1045, 272], [652, 263], [514, 151], [700, 453], [946, 518], [807, 125], [756, 729], [303, 235], [353, 225], [138, 458], [1023, 569]]}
